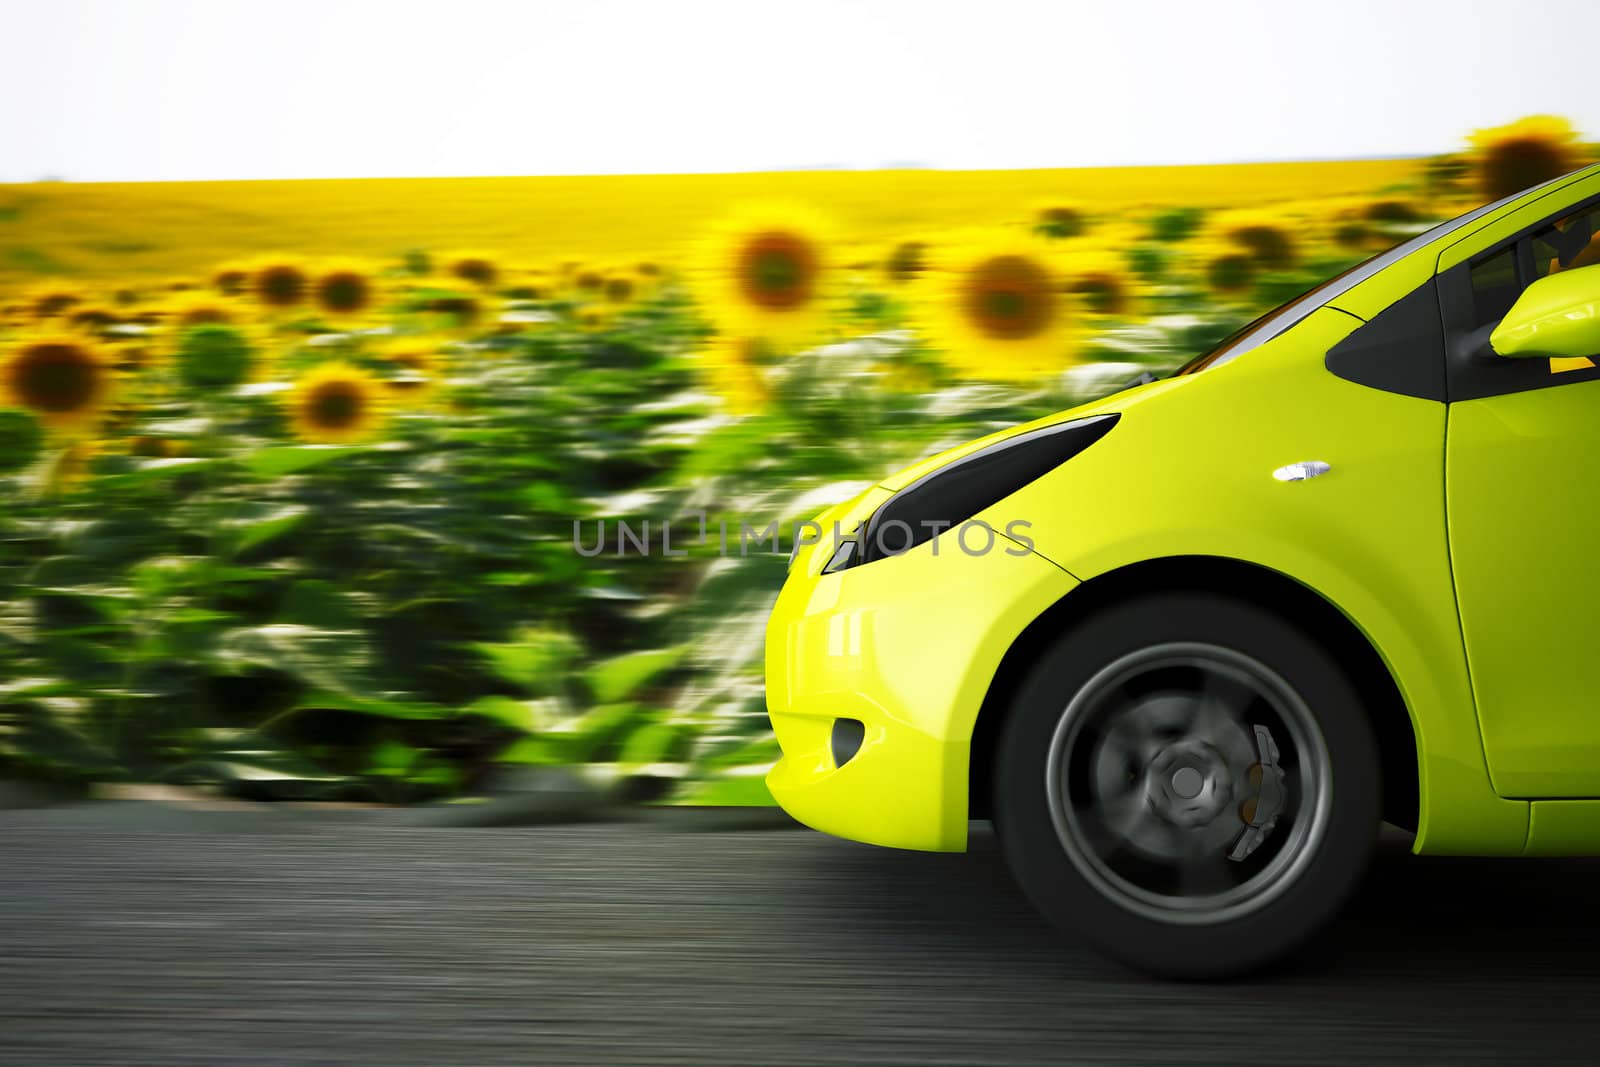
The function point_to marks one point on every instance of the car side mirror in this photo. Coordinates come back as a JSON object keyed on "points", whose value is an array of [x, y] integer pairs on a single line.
{"points": [[1556, 316]]}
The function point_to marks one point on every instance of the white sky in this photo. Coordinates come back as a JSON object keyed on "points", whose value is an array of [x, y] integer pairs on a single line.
{"points": [[175, 89]]}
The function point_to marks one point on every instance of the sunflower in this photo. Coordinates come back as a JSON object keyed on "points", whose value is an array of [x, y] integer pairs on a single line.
{"points": [[336, 403], [418, 354], [649, 278], [230, 279], [1391, 211], [1524, 153], [1101, 280], [474, 268], [998, 309], [535, 285], [767, 271], [199, 309], [733, 370], [92, 319], [1267, 236], [588, 282], [905, 262], [593, 318], [64, 380], [458, 308], [50, 301], [1347, 224], [620, 289], [344, 291], [416, 368], [131, 357], [1058, 219], [1227, 270], [148, 447], [279, 284]]}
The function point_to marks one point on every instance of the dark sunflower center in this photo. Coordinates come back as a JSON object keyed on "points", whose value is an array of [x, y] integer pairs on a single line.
{"points": [[344, 291], [335, 405], [619, 290], [281, 286], [204, 316], [1060, 222], [230, 282], [906, 261], [1349, 234], [476, 271], [57, 378], [55, 303], [93, 317], [462, 308], [1391, 211], [777, 271], [1271, 246], [1008, 298], [1103, 294], [1515, 165], [1230, 273]]}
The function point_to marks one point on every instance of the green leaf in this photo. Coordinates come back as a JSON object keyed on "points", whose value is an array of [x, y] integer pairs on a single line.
{"points": [[320, 605], [258, 523], [323, 660], [741, 790], [517, 714], [279, 460], [597, 734], [762, 752], [392, 759], [536, 661], [326, 700], [534, 752], [143, 472], [619, 678], [658, 742]]}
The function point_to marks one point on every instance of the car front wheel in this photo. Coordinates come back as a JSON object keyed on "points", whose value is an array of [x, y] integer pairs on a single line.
{"points": [[1190, 782]]}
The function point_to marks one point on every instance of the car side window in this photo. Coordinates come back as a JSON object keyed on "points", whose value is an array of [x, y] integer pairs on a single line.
{"points": [[1495, 287], [1475, 296], [1567, 243], [1498, 279]]}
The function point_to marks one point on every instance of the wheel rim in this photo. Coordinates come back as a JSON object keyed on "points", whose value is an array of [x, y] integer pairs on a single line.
{"points": [[1189, 783]]}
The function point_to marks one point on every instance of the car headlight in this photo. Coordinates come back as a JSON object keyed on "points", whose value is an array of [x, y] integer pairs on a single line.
{"points": [[947, 497]]}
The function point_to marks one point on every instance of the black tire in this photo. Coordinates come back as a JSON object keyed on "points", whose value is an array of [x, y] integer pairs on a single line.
{"points": [[1120, 850]]}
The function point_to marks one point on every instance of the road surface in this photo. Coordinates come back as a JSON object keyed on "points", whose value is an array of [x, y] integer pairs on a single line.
{"points": [[136, 933]]}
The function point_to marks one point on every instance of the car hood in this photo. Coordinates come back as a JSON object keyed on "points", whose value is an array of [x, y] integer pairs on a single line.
{"points": [[1121, 402]]}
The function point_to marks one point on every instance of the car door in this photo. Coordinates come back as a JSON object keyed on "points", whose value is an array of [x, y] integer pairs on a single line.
{"points": [[1522, 484]]}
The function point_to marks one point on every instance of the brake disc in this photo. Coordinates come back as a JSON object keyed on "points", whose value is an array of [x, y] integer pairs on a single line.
{"points": [[1260, 812]]}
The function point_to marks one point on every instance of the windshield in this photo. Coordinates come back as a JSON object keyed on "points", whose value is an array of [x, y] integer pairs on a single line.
{"points": [[1285, 315]]}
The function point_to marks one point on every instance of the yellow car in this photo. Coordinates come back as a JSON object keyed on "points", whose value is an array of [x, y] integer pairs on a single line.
{"points": [[1189, 644]]}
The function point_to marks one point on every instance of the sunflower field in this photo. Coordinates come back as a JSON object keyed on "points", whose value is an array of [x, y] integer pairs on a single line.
{"points": [[311, 526]]}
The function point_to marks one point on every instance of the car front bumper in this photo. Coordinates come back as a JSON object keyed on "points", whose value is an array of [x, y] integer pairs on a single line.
{"points": [[907, 646]]}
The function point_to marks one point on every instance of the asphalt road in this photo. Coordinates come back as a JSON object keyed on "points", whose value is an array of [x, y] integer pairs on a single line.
{"points": [[136, 935]]}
